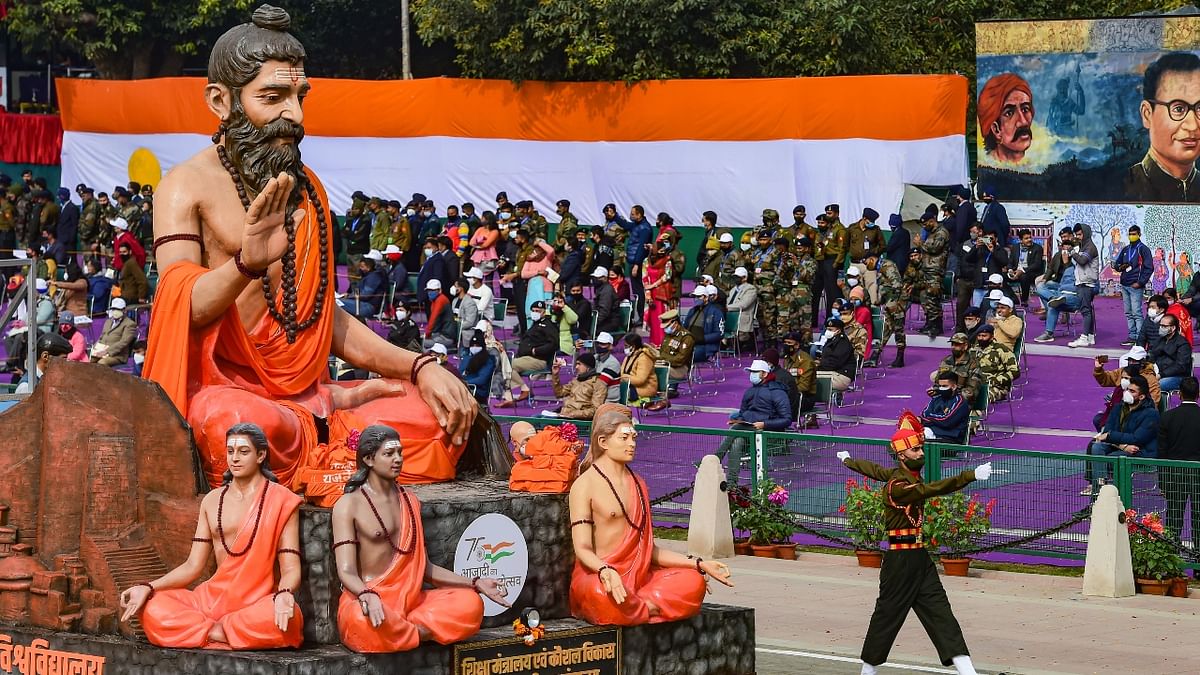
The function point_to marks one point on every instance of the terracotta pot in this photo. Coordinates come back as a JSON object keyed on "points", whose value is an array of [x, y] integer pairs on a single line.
{"points": [[763, 551], [1153, 586], [869, 558], [785, 551], [741, 547], [956, 567], [1178, 588]]}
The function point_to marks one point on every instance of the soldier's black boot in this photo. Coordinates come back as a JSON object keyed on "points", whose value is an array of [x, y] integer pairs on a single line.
{"points": [[898, 362]]}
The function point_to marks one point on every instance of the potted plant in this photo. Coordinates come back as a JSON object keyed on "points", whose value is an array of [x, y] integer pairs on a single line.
{"points": [[781, 522], [864, 517], [766, 519], [739, 513], [955, 522], [1155, 562]]}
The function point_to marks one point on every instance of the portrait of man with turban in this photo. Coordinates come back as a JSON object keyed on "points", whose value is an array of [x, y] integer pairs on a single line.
{"points": [[1006, 117]]}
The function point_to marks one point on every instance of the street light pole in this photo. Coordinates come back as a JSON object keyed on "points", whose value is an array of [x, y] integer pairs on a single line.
{"points": [[406, 63]]}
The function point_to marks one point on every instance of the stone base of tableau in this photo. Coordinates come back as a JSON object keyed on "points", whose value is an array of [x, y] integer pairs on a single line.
{"points": [[720, 641]]}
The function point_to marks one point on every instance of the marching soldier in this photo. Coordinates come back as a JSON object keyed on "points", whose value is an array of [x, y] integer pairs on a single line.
{"points": [[933, 267]]}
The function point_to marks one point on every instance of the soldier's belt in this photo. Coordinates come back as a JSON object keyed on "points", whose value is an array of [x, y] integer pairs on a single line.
{"points": [[904, 547], [904, 539], [904, 532]]}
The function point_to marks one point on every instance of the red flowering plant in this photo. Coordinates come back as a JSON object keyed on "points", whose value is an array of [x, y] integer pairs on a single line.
{"points": [[955, 522], [762, 512], [1153, 558], [864, 513]]}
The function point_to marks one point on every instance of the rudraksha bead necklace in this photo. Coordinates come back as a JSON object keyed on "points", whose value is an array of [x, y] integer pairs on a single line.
{"points": [[406, 506], [257, 519], [641, 497]]}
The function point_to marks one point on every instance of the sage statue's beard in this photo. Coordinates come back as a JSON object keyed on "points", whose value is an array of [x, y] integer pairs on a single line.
{"points": [[255, 154]]}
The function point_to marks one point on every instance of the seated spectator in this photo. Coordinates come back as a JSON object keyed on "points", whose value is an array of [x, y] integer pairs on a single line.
{"points": [[1179, 311], [616, 279], [1135, 362], [860, 312], [705, 322], [582, 329], [1009, 327], [853, 329], [964, 363], [482, 292], [403, 331], [1131, 429], [783, 377], [582, 395], [638, 368], [566, 320], [440, 329], [439, 352], [801, 367], [1179, 439], [397, 272], [744, 298], [764, 407], [607, 365], [534, 353], [677, 348], [116, 339], [1156, 309], [73, 288], [465, 309], [478, 366], [997, 363], [100, 284], [1058, 297], [972, 321], [606, 305], [1172, 355], [366, 295], [947, 415], [837, 356], [139, 357], [66, 328]]}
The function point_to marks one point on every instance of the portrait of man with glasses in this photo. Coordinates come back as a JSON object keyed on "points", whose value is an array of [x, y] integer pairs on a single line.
{"points": [[1170, 110]]}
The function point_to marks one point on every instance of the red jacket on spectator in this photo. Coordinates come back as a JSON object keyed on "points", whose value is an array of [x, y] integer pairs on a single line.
{"points": [[135, 247], [1185, 320]]}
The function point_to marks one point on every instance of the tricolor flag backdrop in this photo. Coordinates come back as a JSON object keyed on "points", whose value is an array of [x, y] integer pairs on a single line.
{"points": [[680, 146]]}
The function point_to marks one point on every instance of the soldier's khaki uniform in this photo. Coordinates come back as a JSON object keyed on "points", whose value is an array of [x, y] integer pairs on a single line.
{"points": [[381, 230], [676, 350], [89, 223], [566, 231], [860, 245]]}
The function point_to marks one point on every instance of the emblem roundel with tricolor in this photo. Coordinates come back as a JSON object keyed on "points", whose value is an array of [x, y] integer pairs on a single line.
{"points": [[492, 546]]}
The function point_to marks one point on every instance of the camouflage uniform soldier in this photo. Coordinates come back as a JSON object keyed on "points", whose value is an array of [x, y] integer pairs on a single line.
{"points": [[89, 218], [567, 225], [48, 216], [612, 228], [730, 259], [804, 273], [23, 222], [964, 361], [130, 212], [997, 363], [933, 267], [784, 278], [766, 270], [893, 301], [770, 224]]}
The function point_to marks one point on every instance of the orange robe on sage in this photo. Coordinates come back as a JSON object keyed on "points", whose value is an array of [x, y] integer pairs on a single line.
{"points": [[550, 466], [240, 595], [219, 375], [677, 592], [450, 614]]}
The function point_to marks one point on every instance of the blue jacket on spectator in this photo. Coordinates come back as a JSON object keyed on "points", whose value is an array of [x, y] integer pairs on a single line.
{"points": [[571, 271], [947, 417], [1141, 264], [639, 237], [766, 403], [434, 268], [372, 287], [482, 378], [1139, 427], [99, 287], [711, 327]]}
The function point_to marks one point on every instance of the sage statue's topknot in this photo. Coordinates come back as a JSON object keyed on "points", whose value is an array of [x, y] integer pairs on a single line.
{"points": [[271, 18]]}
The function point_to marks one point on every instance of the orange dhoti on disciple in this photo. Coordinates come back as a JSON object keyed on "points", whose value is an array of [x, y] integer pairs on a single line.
{"points": [[449, 614], [240, 596], [676, 592], [220, 374], [550, 467]]}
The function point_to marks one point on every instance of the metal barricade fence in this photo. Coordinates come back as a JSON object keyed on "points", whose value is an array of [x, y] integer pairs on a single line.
{"points": [[1166, 486]]}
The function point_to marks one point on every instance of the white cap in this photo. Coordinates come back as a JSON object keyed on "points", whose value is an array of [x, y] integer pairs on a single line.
{"points": [[1135, 354], [995, 294], [474, 273], [700, 292], [725, 238], [1006, 301], [392, 248], [117, 303], [706, 278], [604, 338], [483, 325], [438, 348], [374, 255], [852, 272], [433, 285], [995, 279], [741, 272], [120, 223], [711, 290], [41, 285], [759, 366], [600, 272]]}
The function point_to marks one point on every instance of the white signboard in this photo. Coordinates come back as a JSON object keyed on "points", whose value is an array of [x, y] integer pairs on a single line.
{"points": [[493, 547]]}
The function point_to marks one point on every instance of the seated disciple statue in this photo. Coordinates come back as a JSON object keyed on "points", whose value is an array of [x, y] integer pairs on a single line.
{"points": [[545, 460], [620, 576], [245, 318], [380, 551], [249, 524]]}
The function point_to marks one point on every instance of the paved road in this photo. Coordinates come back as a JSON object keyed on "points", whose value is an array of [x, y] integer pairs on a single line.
{"points": [[809, 610]]}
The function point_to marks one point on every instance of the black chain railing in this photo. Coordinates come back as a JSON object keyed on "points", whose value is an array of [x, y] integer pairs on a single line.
{"points": [[671, 495], [1165, 537]]}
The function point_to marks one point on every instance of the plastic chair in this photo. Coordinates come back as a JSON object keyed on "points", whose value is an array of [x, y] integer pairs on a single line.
{"points": [[729, 333], [662, 376]]}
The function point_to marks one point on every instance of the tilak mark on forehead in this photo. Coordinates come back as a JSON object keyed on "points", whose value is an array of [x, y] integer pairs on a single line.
{"points": [[293, 74]]}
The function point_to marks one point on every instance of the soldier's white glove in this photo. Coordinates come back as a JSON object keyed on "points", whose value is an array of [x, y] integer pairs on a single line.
{"points": [[929, 434], [843, 456], [983, 471]]}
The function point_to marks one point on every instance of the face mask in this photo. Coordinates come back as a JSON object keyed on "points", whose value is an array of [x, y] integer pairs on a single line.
{"points": [[1124, 382], [756, 378], [1127, 397], [829, 333], [512, 235], [427, 213], [744, 247], [971, 323], [535, 315], [454, 291], [1154, 313], [115, 314], [64, 327], [851, 281], [476, 349], [914, 464], [982, 343], [871, 226], [602, 349], [576, 294], [124, 256], [400, 316], [433, 295], [1164, 330], [410, 212], [139, 358], [1133, 238]]}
